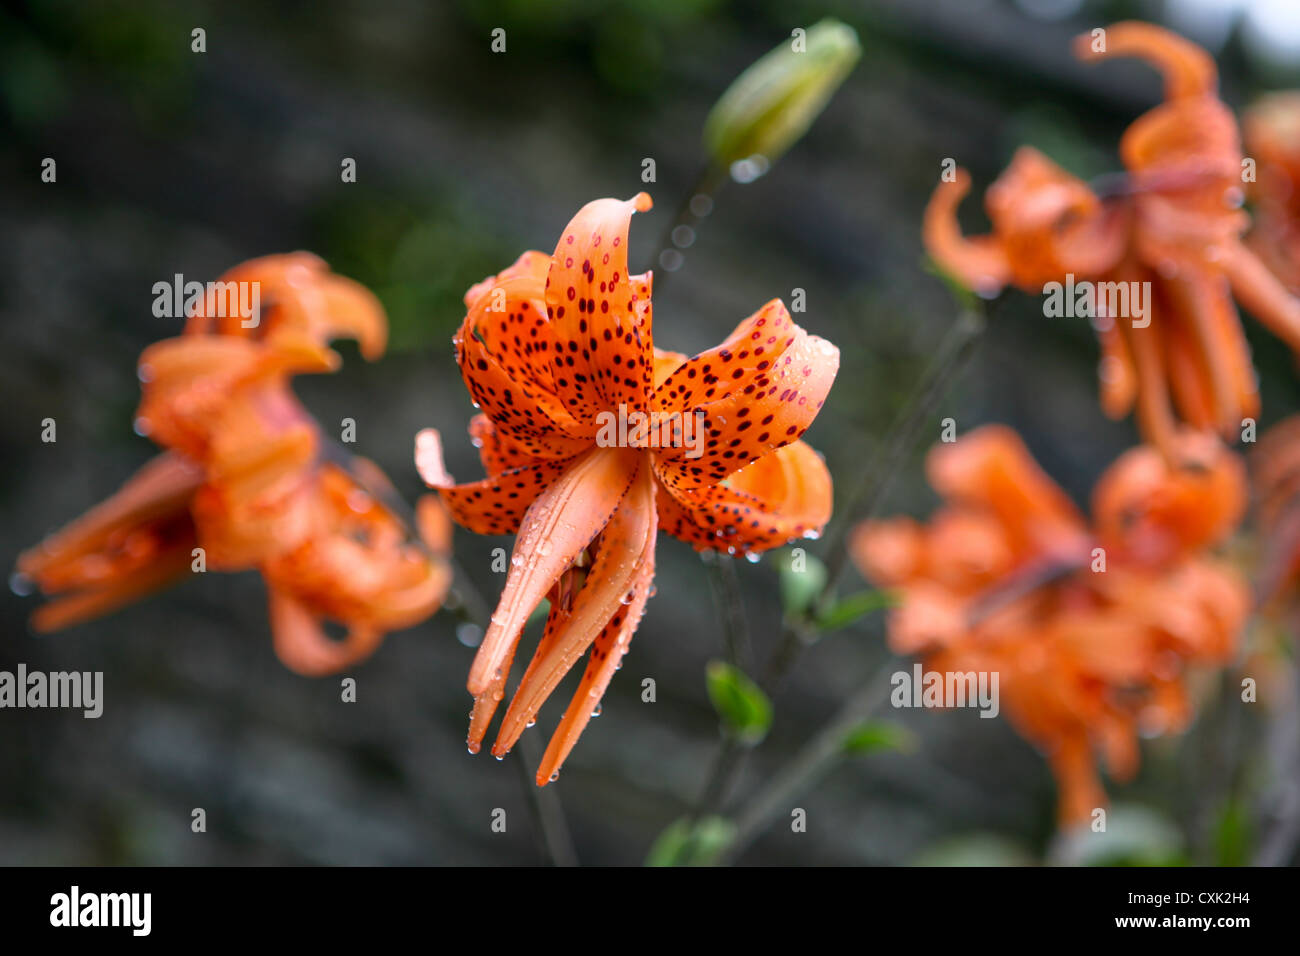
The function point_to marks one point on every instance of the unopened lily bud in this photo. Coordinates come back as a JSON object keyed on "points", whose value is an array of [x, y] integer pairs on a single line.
{"points": [[769, 106]]}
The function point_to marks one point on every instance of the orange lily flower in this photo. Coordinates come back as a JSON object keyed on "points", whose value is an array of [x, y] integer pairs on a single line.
{"points": [[555, 350], [244, 477], [1271, 129], [1174, 228], [1006, 578], [1275, 475]]}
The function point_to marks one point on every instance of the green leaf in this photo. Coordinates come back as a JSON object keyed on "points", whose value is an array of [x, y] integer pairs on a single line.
{"points": [[875, 736], [1134, 836], [802, 578], [744, 708], [976, 849], [847, 610], [680, 844], [1233, 835]]}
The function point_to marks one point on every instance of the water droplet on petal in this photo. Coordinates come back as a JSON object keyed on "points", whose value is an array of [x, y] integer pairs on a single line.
{"points": [[20, 584]]}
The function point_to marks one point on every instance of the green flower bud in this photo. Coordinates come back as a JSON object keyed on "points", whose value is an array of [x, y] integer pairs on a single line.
{"points": [[769, 106]]}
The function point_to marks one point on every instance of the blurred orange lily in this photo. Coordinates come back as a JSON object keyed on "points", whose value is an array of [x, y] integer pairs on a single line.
{"points": [[554, 350], [1174, 228], [1271, 129], [244, 479], [1275, 475], [1091, 627]]}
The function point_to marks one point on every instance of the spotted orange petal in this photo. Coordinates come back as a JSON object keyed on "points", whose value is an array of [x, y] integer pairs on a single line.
{"points": [[600, 314], [780, 497]]}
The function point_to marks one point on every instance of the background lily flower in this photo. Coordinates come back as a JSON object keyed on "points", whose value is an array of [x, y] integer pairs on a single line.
{"points": [[245, 478], [549, 349], [1005, 579], [1271, 130], [1175, 227]]}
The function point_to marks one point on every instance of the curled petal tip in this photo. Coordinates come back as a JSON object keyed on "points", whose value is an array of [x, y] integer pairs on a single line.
{"points": [[428, 459], [642, 202]]}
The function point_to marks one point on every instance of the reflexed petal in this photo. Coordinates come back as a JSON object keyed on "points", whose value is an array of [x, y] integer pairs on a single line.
{"points": [[750, 408], [600, 314], [780, 497]]}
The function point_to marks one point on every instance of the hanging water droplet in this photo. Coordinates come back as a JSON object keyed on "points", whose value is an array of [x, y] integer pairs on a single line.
{"points": [[20, 584], [469, 634], [531, 723], [142, 426], [753, 557], [144, 372], [500, 756], [555, 776], [595, 712], [812, 535], [653, 591]]}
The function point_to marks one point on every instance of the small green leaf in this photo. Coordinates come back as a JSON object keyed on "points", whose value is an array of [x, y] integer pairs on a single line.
{"points": [[680, 844], [976, 849], [802, 578], [1233, 835], [849, 609], [875, 736], [742, 705]]}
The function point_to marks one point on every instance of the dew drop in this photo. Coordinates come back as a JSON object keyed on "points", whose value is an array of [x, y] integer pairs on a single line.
{"points": [[20, 584]]}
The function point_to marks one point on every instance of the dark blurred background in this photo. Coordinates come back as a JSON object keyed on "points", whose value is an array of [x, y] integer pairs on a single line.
{"points": [[171, 161]]}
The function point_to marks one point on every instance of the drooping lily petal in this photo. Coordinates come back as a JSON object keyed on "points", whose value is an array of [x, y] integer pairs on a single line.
{"points": [[556, 528]]}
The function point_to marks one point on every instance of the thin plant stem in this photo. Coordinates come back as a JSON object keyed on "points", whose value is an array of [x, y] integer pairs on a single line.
{"points": [[820, 754], [466, 599], [544, 802], [731, 608], [817, 758], [954, 352], [709, 180]]}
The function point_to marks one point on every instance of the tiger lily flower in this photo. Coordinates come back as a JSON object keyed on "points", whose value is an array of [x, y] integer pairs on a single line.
{"points": [[1271, 130], [1275, 477], [1174, 227], [1092, 627], [555, 351], [244, 477]]}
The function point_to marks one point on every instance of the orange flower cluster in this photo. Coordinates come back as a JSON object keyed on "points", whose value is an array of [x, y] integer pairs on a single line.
{"points": [[1275, 474], [557, 351], [1174, 229], [1271, 130], [1091, 627], [245, 479]]}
